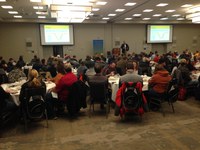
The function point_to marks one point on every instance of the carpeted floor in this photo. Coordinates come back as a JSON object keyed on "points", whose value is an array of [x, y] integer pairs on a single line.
{"points": [[178, 131]]}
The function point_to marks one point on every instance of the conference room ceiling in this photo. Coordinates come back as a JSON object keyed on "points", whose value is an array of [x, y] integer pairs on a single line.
{"points": [[106, 13]]}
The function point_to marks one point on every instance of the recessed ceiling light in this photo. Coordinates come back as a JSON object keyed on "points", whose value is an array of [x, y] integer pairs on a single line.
{"points": [[7, 7], [176, 15], [157, 15], [129, 4], [2, 0], [146, 18], [95, 9], [111, 14], [105, 18], [170, 10], [119, 10], [128, 18], [87, 18], [12, 12], [17, 16], [36, 1], [148, 10], [41, 17], [164, 18], [186, 5], [101, 3], [37, 7], [137, 15], [180, 19], [162, 4], [91, 14]]}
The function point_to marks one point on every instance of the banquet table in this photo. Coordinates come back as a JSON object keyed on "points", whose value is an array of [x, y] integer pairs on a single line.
{"points": [[114, 83], [14, 89]]}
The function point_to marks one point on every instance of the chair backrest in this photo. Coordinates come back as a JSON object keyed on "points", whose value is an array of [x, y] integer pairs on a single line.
{"points": [[131, 96], [34, 102], [77, 97], [98, 91], [172, 90]]}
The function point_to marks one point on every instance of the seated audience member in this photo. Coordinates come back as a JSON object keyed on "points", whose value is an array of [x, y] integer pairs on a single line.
{"points": [[21, 62], [6, 104], [159, 81], [185, 72], [98, 77], [16, 74], [121, 64], [135, 66], [62, 89], [110, 70], [130, 75], [33, 82], [52, 69], [11, 64], [81, 69], [60, 73], [3, 76]]}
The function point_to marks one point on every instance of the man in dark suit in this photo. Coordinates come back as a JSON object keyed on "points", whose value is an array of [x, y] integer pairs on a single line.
{"points": [[124, 47]]}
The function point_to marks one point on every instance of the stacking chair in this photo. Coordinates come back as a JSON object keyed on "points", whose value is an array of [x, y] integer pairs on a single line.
{"points": [[33, 106], [170, 96], [99, 95]]}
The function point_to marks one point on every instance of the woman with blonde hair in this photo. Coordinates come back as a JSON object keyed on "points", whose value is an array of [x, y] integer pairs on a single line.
{"points": [[33, 82]]}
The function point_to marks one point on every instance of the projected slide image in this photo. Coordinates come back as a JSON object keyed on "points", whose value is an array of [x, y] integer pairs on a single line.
{"points": [[160, 33], [56, 33]]}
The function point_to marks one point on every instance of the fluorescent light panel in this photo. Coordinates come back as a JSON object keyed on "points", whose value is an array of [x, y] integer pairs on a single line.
{"points": [[95, 9], [186, 5], [119, 10], [162, 4], [105, 18], [111, 15], [193, 15], [129, 4], [157, 15], [169, 11], [41, 13], [146, 18], [70, 8], [164, 18], [41, 17], [128, 18], [101, 3], [176, 15], [38, 1], [148, 10], [7, 7], [12, 12], [137, 15], [17, 16], [37, 7], [180, 19]]}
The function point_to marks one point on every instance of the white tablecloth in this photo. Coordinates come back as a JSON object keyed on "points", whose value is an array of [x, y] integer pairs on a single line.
{"points": [[14, 89]]}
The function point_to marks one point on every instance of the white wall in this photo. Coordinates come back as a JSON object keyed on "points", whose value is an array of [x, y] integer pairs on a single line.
{"points": [[13, 37]]}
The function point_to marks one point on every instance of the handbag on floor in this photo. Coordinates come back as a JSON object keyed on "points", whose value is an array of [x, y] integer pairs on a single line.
{"points": [[182, 94]]}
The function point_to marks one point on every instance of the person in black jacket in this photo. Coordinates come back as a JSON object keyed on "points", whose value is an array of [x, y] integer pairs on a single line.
{"points": [[124, 47]]}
